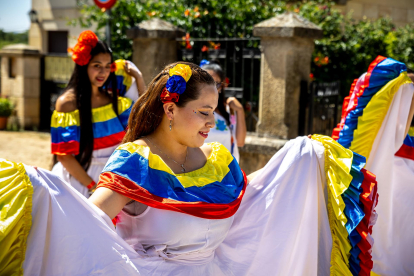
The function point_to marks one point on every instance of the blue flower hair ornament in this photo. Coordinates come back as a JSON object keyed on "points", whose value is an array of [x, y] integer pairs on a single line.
{"points": [[176, 83], [204, 62]]}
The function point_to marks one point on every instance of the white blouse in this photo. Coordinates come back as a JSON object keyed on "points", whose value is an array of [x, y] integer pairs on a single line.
{"points": [[160, 233]]}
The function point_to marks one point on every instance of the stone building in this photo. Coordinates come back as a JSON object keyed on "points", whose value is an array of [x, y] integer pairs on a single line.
{"points": [[51, 34], [401, 11]]}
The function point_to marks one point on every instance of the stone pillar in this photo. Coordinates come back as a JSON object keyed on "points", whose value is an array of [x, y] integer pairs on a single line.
{"points": [[20, 82], [287, 43], [154, 46]]}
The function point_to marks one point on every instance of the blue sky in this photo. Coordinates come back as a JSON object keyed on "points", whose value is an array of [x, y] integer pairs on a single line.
{"points": [[14, 15]]}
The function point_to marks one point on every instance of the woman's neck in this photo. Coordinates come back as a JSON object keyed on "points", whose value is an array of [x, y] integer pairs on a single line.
{"points": [[95, 91], [165, 142]]}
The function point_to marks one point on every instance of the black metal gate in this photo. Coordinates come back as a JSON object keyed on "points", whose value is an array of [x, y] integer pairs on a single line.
{"points": [[318, 108], [240, 59], [55, 73]]}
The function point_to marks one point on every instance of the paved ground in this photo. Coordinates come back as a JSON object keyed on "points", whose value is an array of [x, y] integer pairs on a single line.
{"points": [[29, 147]]}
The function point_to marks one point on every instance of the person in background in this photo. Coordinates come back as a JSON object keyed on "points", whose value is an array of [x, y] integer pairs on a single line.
{"points": [[90, 119], [410, 74], [230, 128]]}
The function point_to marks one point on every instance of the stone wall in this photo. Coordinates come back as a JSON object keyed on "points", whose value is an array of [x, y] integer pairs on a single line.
{"points": [[401, 11], [154, 46], [257, 151], [23, 86]]}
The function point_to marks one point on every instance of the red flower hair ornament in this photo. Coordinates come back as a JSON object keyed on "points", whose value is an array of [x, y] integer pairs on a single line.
{"points": [[81, 53]]}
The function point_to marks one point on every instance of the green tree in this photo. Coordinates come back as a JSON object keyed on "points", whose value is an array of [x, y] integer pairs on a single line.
{"points": [[344, 52], [7, 38], [348, 46], [200, 18]]}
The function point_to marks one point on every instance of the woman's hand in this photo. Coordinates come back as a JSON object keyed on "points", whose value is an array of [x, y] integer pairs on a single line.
{"points": [[132, 70], [241, 131], [137, 75], [234, 104]]}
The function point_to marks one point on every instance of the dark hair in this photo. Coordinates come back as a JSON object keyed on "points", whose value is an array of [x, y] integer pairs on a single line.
{"points": [[410, 71], [147, 112], [216, 68], [81, 85]]}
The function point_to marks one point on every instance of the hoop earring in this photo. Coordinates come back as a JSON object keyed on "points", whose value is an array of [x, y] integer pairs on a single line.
{"points": [[170, 125]]}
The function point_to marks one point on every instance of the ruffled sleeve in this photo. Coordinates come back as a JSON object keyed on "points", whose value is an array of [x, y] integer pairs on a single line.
{"points": [[65, 132], [124, 81], [124, 109]]}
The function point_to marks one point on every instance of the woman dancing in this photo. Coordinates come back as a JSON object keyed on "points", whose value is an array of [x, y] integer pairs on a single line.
{"points": [[182, 207], [90, 119]]}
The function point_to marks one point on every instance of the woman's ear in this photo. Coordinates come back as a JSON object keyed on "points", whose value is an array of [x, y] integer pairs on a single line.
{"points": [[169, 110]]}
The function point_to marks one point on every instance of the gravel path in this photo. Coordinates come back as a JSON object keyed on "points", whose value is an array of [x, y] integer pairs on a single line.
{"points": [[28, 147]]}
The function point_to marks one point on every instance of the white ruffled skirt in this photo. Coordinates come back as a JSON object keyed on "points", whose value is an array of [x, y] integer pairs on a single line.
{"points": [[98, 162], [281, 227]]}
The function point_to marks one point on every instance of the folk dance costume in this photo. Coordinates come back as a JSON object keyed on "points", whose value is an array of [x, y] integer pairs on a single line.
{"points": [[301, 215], [108, 130], [373, 123]]}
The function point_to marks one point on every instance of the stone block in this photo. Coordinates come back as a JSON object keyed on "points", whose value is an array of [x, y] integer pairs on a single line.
{"points": [[31, 87], [286, 59], [287, 25], [27, 111], [285, 62], [257, 151], [399, 15], [151, 55], [356, 9], [31, 67], [154, 46], [384, 11], [155, 28], [371, 11], [4, 67], [410, 15], [15, 86]]}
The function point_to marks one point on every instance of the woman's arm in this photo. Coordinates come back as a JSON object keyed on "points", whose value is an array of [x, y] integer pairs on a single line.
{"points": [[137, 75], [253, 175], [110, 202], [241, 120], [75, 169]]}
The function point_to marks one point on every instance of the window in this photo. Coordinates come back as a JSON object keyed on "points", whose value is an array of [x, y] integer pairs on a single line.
{"points": [[57, 42], [12, 67]]}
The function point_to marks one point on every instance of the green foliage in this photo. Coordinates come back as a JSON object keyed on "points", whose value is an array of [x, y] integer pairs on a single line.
{"points": [[6, 107], [400, 45], [200, 18], [344, 53], [349, 46], [12, 38]]}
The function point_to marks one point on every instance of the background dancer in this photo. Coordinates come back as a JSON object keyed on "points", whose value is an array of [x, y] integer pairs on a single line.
{"points": [[230, 122], [375, 121], [90, 119]]}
